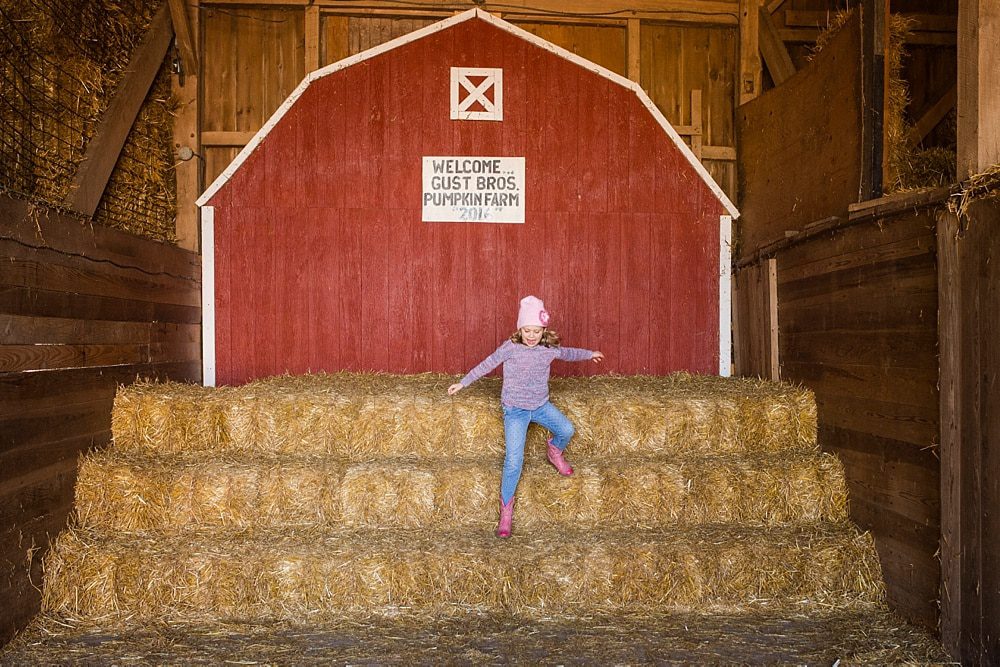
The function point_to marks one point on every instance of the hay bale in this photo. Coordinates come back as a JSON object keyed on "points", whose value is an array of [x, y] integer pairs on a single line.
{"points": [[287, 574], [122, 491], [370, 416]]}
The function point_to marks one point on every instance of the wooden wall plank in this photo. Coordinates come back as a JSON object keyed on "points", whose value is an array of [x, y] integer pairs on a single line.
{"points": [[807, 167]]}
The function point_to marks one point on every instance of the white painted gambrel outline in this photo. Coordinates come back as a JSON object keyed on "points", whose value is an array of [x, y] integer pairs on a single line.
{"points": [[465, 93], [725, 221]]}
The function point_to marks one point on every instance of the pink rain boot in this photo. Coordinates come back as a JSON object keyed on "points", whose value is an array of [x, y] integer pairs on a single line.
{"points": [[556, 458], [506, 518]]}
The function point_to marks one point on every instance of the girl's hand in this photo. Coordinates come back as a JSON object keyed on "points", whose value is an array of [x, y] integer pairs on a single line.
{"points": [[597, 357], [455, 388]]}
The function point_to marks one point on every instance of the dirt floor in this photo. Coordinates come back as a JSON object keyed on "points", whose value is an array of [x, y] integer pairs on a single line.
{"points": [[833, 638]]}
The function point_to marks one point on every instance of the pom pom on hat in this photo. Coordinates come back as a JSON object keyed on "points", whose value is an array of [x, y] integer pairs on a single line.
{"points": [[532, 313]]}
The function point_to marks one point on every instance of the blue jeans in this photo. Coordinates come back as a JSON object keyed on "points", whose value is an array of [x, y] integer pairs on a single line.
{"points": [[515, 429]]}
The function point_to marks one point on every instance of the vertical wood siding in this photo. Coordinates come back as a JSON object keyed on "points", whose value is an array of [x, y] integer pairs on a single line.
{"points": [[82, 310], [330, 267]]}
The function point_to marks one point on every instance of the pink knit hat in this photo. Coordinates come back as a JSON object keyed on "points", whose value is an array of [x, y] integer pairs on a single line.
{"points": [[532, 313]]}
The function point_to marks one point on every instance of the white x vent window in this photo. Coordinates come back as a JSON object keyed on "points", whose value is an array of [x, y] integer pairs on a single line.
{"points": [[476, 93]]}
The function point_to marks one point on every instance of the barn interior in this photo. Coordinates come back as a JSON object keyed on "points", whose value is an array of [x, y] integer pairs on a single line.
{"points": [[860, 141]]}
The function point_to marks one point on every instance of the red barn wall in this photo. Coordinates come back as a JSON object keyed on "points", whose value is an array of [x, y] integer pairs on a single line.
{"points": [[322, 261]]}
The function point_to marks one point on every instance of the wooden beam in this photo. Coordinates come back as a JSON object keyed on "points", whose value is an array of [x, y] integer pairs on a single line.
{"points": [[188, 173], [933, 116], [721, 12], [102, 153], [749, 83], [779, 63], [774, 5], [226, 138], [718, 153], [978, 92], [184, 34], [808, 35], [634, 49], [312, 38], [797, 18]]}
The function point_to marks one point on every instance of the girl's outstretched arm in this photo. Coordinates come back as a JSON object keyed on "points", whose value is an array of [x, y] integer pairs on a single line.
{"points": [[501, 355]]}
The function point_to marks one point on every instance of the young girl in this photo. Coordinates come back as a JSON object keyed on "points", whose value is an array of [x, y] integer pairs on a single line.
{"points": [[525, 396]]}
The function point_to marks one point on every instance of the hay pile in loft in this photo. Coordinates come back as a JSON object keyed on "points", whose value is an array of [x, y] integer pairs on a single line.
{"points": [[60, 67], [910, 166], [331, 505]]}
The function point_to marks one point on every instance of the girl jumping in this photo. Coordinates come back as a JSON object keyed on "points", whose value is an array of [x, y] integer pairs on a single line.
{"points": [[526, 358]]}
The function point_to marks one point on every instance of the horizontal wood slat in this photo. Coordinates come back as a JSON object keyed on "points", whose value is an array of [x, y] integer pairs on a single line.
{"points": [[52, 270], [31, 301]]}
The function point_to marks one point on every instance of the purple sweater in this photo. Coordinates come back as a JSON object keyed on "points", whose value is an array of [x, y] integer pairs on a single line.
{"points": [[525, 371]]}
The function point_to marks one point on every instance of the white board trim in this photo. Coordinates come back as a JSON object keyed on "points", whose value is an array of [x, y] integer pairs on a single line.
{"points": [[208, 296], [234, 166], [725, 295]]}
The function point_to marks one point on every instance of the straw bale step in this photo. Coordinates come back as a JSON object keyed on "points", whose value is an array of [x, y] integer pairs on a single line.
{"points": [[821, 637], [126, 491], [370, 416], [293, 574]]}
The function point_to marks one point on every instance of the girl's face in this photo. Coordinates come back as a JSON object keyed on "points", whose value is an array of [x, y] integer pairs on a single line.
{"points": [[531, 335]]}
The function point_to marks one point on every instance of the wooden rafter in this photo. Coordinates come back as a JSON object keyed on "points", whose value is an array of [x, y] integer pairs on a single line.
{"points": [[933, 116], [723, 12], [779, 63], [104, 148], [185, 40]]}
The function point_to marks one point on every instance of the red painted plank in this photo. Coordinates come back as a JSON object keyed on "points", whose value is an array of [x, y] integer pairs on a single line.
{"points": [[420, 329], [560, 115], [664, 329], [605, 271], [374, 324], [325, 256], [347, 257], [295, 326], [617, 155], [643, 138], [581, 235], [324, 157], [637, 262], [593, 144]]}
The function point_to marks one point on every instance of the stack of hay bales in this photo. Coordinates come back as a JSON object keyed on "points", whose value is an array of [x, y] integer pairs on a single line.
{"points": [[361, 495]]}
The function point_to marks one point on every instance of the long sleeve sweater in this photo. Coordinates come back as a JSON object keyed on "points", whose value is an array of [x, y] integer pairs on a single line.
{"points": [[525, 371]]}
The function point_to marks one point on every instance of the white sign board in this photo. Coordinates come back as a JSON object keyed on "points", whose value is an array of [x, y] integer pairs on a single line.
{"points": [[473, 189]]}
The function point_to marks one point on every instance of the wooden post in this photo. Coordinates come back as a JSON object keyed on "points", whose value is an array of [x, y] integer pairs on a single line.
{"points": [[748, 85], [978, 86], [187, 172], [874, 38], [634, 50], [312, 38], [779, 63]]}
